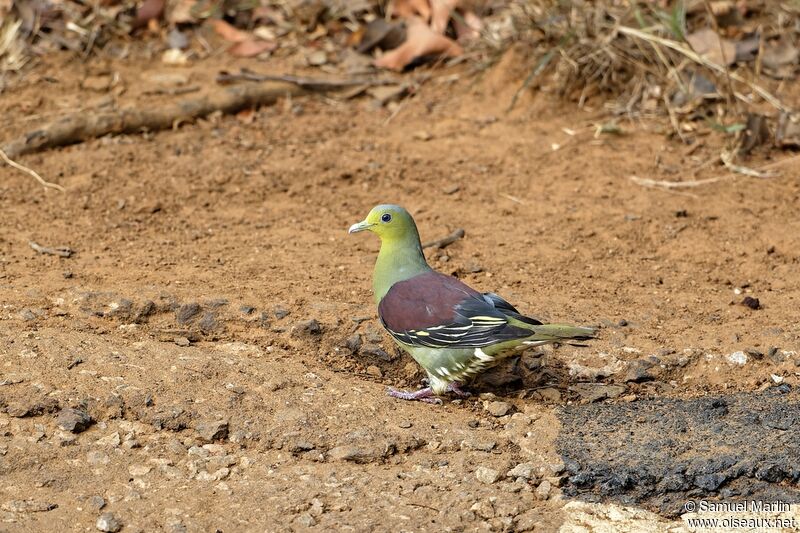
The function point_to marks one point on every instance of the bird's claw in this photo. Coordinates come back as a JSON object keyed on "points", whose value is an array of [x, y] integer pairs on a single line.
{"points": [[423, 395]]}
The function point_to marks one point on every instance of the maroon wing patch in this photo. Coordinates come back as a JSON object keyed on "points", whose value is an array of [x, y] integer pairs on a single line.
{"points": [[424, 301]]}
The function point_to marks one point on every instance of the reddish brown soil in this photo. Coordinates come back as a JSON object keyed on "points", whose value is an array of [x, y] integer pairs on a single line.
{"points": [[253, 211]]}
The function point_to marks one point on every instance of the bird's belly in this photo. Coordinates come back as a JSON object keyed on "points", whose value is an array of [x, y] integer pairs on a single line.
{"points": [[458, 365]]}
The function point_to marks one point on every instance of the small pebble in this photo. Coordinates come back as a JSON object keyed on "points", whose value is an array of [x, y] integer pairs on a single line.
{"points": [[498, 408], [486, 475]]}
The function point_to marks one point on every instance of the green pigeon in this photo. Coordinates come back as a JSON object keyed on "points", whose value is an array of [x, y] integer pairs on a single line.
{"points": [[453, 331]]}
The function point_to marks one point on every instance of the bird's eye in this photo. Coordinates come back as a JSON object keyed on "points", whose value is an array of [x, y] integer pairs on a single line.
{"points": [[386, 217]]}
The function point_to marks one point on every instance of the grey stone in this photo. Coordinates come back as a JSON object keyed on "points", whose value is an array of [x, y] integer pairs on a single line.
{"points": [[73, 420], [211, 430], [523, 470], [498, 408], [486, 475], [108, 522]]}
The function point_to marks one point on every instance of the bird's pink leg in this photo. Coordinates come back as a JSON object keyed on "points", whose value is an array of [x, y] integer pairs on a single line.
{"points": [[427, 395], [423, 395], [455, 388]]}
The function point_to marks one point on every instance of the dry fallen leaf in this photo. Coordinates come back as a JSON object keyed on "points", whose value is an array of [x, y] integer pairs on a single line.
{"points": [[421, 40], [779, 54], [707, 43], [470, 28], [229, 33], [252, 47], [440, 14], [406, 9], [149, 10]]}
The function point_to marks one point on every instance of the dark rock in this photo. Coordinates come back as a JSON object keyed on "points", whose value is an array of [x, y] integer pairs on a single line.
{"points": [[247, 309], [775, 355], [280, 312], [96, 502], [306, 328], [208, 322], [353, 343], [753, 353], [751, 302], [143, 312], [187, 312], [211, 430], [73, 420], [376, 351]]}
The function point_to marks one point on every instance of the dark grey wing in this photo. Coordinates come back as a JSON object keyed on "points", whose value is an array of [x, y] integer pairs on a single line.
{"points": [[502, 305]]}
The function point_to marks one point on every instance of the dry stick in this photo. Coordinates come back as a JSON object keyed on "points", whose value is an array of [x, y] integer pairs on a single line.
{"points": [[78, 127], [61, 251], [312, 84], [445, 241], [30, 172], [674, 45], [647, 182]]}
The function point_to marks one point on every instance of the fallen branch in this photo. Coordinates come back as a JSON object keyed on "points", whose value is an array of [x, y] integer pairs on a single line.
{"points": [[445, 241], [36, 176], [61, 251], [79, 127], [311, 84]]}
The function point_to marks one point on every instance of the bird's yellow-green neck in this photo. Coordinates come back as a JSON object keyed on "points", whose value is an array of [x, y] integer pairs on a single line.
{"points": [[400, 258]]}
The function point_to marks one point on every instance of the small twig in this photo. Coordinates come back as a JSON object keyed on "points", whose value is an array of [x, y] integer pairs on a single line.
{"points": [[61, 251], [727, 159], [512, 198], [445, 241], [37, 177], [423, 506], [664, 184]]}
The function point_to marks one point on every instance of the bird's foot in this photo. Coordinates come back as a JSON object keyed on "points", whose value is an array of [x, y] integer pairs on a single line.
{"points": [[456, 389], [423, 395]]}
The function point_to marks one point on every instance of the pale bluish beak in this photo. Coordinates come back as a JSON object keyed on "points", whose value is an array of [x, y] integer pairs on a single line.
{"points": [[359, 226]]}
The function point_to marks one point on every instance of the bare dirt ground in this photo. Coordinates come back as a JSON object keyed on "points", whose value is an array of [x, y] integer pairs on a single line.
{"points": [[216, 321]]}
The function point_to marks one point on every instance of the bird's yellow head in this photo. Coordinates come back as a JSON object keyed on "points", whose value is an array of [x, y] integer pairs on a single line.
{"points": [[389, 222]]}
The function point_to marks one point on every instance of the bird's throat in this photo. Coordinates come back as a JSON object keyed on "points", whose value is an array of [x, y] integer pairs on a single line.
{"points": [[398, 260]]}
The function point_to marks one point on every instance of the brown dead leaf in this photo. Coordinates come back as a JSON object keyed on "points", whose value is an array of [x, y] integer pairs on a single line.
{"points": [[440, 14], [707, 43], [406, 9], [252, 47], [421, 40], [149, 10], [788, 132], [229, 33], [470, 28], [780, 54]]}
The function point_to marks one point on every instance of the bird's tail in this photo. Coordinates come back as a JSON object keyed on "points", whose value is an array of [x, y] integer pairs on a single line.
{"points": [[560, 333]]}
